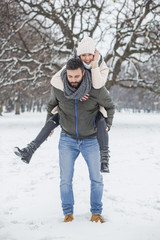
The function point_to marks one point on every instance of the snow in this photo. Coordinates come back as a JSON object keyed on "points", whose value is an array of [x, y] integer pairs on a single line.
{"points": [[30, 199]]}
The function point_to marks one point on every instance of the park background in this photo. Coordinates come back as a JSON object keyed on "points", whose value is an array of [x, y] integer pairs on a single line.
{"points": [[37, 37]]}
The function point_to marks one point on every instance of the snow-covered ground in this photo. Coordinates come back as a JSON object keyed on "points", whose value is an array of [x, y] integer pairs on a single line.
{"points": [[30, 206]]}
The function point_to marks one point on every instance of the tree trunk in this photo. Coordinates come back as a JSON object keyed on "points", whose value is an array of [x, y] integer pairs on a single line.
{"points": [[17, 105], [1, 109]]}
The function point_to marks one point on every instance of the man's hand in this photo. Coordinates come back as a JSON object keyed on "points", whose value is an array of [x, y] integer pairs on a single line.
{"points": [[85, 97], [107, 129], [51, 133]]}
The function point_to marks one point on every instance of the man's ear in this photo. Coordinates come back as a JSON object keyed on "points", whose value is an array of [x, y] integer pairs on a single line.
{"points": [[83, 72]]}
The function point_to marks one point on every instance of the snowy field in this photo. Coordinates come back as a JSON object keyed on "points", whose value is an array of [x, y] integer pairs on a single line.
{"points": [[30, 206]]}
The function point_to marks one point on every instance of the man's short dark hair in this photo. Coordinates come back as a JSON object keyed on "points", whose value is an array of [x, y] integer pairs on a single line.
{"points": [[74, 63]]}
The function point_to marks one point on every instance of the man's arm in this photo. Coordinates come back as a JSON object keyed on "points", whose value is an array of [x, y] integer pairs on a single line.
{"points": [[52, 103], [105, 100]]}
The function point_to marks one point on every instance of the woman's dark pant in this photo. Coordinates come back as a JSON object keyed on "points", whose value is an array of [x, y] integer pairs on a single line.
{"points": [[51, 124], [102, 134]]}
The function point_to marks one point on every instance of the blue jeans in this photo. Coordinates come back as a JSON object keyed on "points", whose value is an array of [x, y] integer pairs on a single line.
{"points": [[69, 149]]}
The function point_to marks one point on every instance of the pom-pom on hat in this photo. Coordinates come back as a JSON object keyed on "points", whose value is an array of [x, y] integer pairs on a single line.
{"points": [[86, 46]]}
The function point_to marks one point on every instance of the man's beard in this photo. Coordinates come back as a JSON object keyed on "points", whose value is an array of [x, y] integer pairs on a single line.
{"points": [[75, 86]]}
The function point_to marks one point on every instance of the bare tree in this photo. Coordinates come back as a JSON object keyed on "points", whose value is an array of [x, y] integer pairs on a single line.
{"points": [[47, 32], [136, 39], [38, 36]]}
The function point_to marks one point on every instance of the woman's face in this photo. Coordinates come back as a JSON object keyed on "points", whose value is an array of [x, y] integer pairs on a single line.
{"points": [[87, 58]]}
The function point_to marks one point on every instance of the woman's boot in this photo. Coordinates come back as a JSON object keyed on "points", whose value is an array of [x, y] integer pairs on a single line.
{"points": [[26, 153], [104, 161]]}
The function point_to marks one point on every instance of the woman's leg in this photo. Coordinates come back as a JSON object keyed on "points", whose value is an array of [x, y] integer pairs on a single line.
{"points": [[102, 136], [26, 153], [51, 124]]}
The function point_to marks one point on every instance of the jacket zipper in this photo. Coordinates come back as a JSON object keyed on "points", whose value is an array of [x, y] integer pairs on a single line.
{"points": [[77, 134]]}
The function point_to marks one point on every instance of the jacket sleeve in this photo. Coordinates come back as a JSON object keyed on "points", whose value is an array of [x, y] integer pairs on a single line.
{"points": [[99, 74], [105, 100], [52, 103], [56, 80]]}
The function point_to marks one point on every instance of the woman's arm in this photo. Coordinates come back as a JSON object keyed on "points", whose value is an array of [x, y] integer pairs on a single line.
{"points": [[99, 74]]}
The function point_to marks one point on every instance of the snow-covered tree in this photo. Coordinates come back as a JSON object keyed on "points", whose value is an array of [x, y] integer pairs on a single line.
{"points": [[136, 39], [38, 36]]}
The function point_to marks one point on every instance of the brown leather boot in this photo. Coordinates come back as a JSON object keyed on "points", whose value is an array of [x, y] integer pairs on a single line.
{"points": [[97, 218], [68, 218]]}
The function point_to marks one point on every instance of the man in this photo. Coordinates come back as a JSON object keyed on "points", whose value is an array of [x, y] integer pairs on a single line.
{"points": [[78, 135]]}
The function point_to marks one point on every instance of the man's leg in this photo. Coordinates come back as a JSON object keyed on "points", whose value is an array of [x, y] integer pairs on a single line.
{"points": [[90, 151], [67, 156]]}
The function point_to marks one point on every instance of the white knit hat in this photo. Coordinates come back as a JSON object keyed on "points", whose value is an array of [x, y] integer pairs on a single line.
{"points": [[86, 46]]}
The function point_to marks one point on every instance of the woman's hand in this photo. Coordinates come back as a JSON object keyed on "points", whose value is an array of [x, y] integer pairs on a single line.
{"points": [[96, 55]]}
